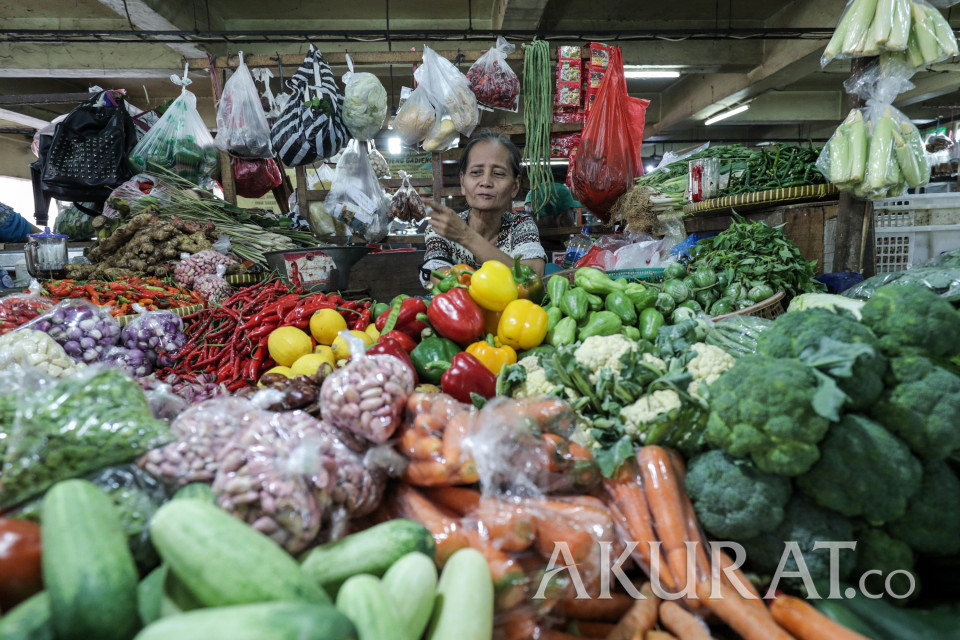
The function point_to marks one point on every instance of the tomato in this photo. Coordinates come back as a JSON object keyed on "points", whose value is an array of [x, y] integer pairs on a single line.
{"points": [[20, 572]]}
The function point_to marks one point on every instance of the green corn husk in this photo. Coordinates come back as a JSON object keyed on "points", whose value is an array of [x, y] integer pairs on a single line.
{"points": [[913, 54], [899, 32], [907, 160], [847, 22], [879, 155], [858, 31], [882, 23], [926, 33], [857, 158], [912, 137], [946, 39], [839, 155]]}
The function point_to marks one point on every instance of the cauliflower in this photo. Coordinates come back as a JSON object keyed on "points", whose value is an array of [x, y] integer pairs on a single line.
{"points": [[707, 365], [649, 408], [603, 352], [653, 360], [536, 382]]}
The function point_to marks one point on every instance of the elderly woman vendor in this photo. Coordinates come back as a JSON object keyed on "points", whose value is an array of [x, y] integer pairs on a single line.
{"points": [[488, 230]]}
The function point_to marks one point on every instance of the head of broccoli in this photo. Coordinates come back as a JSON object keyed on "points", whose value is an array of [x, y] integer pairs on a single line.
{"points": [[932, 521], [879, 551], [801, 333], [734, 500], [921, 406], [806, 524], [767, 409], [912, 320], [864, 470]]}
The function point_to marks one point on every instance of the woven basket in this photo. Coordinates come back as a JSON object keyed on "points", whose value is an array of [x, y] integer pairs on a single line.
{"points": [[769, 308]]}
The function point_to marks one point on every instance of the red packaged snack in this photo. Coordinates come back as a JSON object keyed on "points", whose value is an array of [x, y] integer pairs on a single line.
{"points": [[596, 68], [493, 81], [562, 144]]}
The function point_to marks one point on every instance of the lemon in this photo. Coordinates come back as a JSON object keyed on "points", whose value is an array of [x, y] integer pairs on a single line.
{"points": [[341, 350], [284, 370], [286, 344], [371, 331], [309, 364], [326, 324]]}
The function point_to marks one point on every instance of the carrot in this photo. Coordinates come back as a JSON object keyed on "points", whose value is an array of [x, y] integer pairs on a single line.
{"points": [[727, 561], [517, 626], [806, 623], [509, 526], [740, 615], [641, 617], [593, 628], [508, 577], [447, 532], [430, 473], [658, 635], [418, 402], [445, 407], [417, 445], [428, 424], [453, 435], [578, 523], [457, 499], [545, 410], [557, 452], [666, 507], [608, 610], [682, 623]]}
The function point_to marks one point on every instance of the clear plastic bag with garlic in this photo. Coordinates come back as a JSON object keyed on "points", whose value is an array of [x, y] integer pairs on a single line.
{"points": [[29, 348]]}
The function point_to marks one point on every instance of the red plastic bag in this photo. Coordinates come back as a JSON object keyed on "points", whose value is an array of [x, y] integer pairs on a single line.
{"points": [[254, 177], [597, 257], [608, 158]]}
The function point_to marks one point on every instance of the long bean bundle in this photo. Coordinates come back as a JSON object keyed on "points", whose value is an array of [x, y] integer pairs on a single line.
{"points": [[537, 116]]}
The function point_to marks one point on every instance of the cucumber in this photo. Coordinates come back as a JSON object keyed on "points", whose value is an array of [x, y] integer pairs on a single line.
{"points": [[88, 569], [274, 620], [197, 490], [29, 620], [363, 600], [464, 599], [371, 551], [411, 585], [223, 561]]}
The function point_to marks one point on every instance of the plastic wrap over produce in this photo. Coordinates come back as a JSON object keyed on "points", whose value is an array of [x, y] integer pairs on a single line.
{"points": [[366, 396], [941, 275], [73, 427], [356, 197], [242, 127], [141, 192], [20, 308], [158, 335], [448, 90], [416, 117], [493, 81], [84, 330], [29, 348], [364, 103]]}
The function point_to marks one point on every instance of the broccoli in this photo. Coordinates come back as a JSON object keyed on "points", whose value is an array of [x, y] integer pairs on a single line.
{"points": [[864, 470], [732, 499], [932, 521], [804, 523], [921, 407], [878, 551], [913, 321], [771, 410], [800, 334]]}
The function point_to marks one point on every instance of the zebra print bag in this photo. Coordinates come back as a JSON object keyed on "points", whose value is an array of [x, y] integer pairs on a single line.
{"points": [[310, 128]]}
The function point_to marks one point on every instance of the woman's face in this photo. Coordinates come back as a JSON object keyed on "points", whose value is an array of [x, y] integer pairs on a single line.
{"points": [[489, 183]]}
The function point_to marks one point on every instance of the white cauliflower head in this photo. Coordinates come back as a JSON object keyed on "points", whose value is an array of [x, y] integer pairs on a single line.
{"points": [[648, 409], [603, 352], [706, 366]]}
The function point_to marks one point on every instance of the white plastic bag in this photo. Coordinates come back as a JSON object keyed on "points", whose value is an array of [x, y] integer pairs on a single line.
{"points": [[356, 197], [242, 128], [364, 103], [448, 90], [415, 118]]}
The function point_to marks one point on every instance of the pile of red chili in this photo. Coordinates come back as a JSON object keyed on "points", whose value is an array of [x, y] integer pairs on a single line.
{"points": [[123, 293], [17, 310]]}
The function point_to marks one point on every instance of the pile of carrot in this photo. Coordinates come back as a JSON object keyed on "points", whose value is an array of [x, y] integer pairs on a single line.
{"points": [[517, 533]]}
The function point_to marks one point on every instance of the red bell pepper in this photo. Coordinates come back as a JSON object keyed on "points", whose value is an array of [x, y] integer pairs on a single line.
{"points": [[408, 343], [454, 315], [468, 375], [20, 556], [391, 347], [405, 312]]}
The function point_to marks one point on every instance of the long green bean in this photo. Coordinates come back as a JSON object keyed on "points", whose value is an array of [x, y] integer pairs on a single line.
{"points": [[537, 116]]}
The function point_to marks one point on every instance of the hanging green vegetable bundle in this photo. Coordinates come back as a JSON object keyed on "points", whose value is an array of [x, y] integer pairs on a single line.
{"points": [[537, 116]]}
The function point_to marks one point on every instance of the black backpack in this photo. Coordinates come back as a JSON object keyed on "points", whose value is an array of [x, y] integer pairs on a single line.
{"points": [[86, 158]]}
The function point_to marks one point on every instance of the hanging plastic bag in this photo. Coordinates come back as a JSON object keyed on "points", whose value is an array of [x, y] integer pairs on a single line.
{"points": [[138, 194], [380, 166], [415, 118], [364, 103], [876, 152], [448, 90], [493, 81], [75, 223], [406, 204], [311, 125], [255, 177], [356, 197], [608, 157], [913, 30], [179, 142], [242, 128]]}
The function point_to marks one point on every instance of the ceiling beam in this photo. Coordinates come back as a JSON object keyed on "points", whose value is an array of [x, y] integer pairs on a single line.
{"points": [[25, 120], [783, 62], [518, 14], [146, 19], [44, 98]]}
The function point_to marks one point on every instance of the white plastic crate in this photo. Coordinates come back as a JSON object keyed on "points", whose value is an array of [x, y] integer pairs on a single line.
{"points": [[912, 229]]}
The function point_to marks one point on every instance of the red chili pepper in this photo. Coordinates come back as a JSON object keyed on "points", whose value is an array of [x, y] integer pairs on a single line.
{"points": [[306, 311], [468, 375], [335, 298], [295, 277], [390, 347], [408, 343], [406, 318]]}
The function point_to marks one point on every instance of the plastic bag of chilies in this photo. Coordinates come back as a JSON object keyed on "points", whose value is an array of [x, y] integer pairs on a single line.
{"points": [[311, 125], [255, 177], [356, 196], [242, 128], [493, 81], [179, 142]]}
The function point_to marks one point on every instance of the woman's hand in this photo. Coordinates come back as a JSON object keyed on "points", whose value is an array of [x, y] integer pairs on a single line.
{"points": [[446, 222]]}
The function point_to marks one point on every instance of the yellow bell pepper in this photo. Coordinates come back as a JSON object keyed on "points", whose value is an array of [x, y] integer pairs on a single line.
{"points": [[493, 287], [523, 325], [492, 354]]}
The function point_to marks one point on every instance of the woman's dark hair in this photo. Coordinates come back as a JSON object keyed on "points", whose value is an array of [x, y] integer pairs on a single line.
{"points": [[491, 136]]}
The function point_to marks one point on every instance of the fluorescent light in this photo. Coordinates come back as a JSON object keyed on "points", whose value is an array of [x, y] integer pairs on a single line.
{"points": [[393, 146], [727, 114], [649, 74]]}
